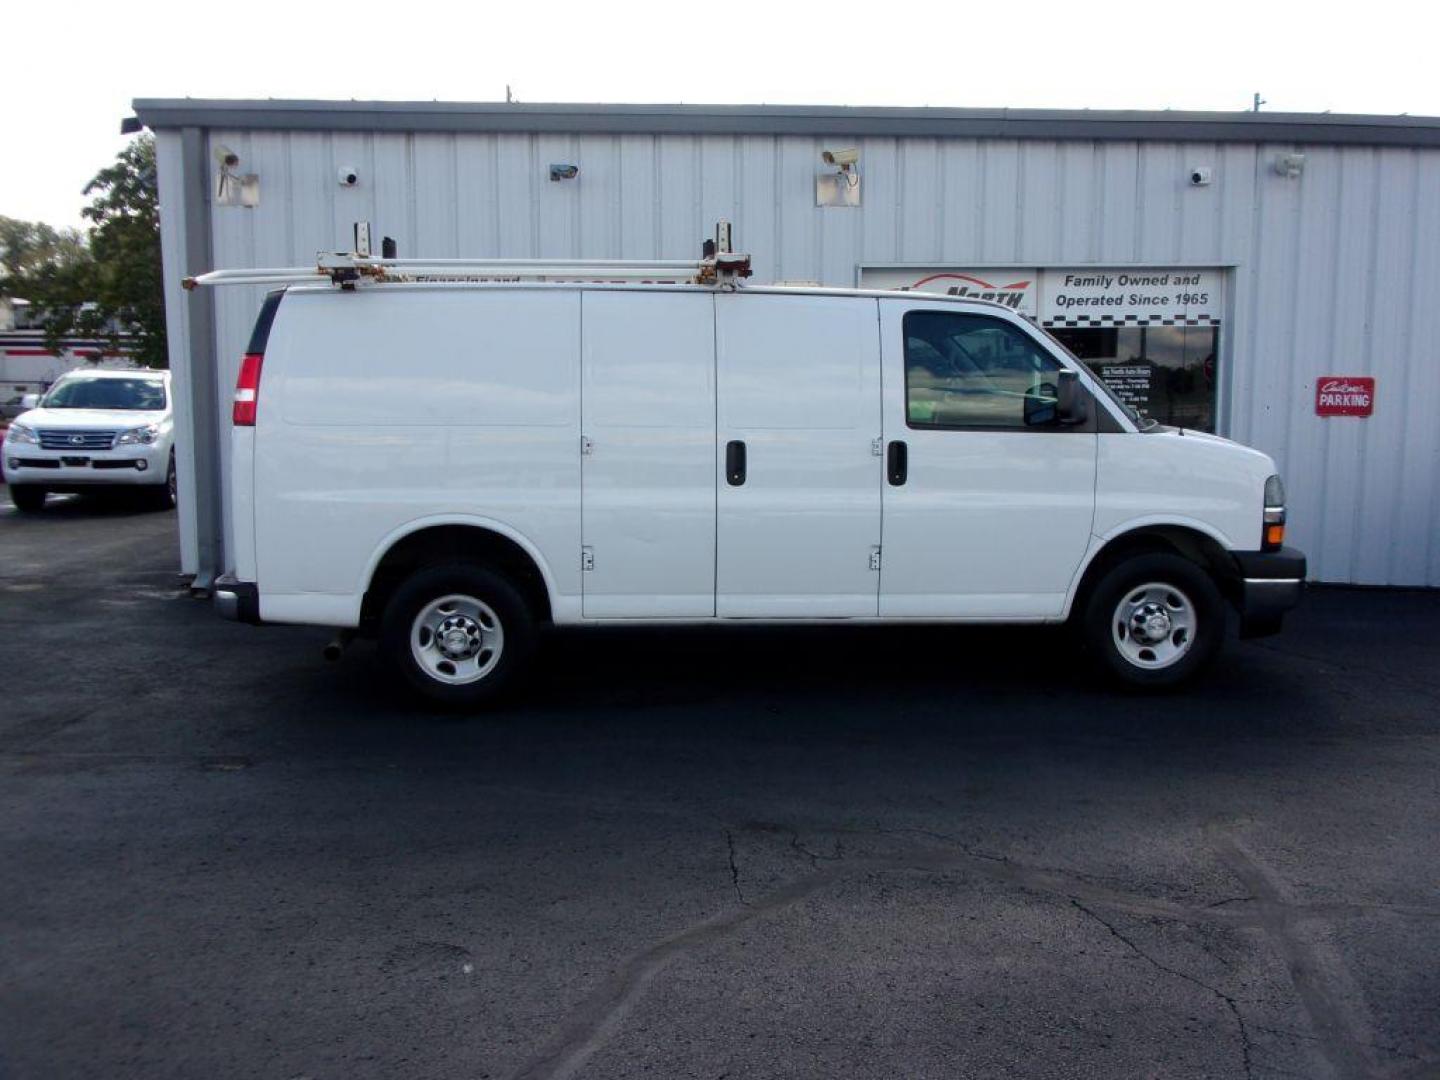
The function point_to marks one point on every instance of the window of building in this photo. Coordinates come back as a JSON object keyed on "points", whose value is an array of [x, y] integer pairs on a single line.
{"points": [[1166, 373]]}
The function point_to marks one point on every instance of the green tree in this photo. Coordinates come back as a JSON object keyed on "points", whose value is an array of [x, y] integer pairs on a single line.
{"points": [[28, 246], [111, 287]]}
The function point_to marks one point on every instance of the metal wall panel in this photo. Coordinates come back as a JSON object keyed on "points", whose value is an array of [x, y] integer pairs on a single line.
{"points": [[1329, 274]]}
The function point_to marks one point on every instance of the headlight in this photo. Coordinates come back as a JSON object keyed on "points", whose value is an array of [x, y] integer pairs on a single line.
{"points": [[146, 435], [1274, 516], [22, 434], [1274, 493]]}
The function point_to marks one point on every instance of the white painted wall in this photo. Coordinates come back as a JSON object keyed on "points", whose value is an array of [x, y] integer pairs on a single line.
{"points": [[1335, 273]]}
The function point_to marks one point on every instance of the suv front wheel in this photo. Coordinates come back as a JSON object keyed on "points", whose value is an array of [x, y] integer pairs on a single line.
{"points": [[457, 633], [1155, 620], [28, 498]]}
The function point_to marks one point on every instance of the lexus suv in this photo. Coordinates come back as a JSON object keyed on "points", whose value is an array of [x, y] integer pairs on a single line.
{"points": [[94, 429]]}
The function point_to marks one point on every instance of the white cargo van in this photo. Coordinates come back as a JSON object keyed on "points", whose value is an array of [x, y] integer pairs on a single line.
{"points": [[449, 465]]}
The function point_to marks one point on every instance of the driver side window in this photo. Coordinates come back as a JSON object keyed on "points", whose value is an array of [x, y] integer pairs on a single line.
{"points": [[973, 371]]}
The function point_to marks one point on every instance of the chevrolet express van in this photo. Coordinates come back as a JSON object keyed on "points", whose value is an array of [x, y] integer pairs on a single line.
{"points": [[449, 465]]}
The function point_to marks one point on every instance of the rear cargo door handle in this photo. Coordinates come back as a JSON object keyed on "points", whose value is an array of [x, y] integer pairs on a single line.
{"points": [[897, 463], [735, 463]]}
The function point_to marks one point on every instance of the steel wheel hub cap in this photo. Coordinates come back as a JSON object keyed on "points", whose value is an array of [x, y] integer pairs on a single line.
{"points": [[1150, 623], [457, 639], [1154, 625]]}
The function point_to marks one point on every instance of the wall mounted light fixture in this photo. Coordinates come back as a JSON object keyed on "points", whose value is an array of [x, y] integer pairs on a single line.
{"points": [[1290, 166]]}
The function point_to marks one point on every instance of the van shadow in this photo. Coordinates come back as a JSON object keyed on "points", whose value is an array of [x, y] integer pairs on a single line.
{"points": [[824, 684]]}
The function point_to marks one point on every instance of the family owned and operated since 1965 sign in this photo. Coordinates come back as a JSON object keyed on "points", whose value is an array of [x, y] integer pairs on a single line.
{"points": [[1078, 297], [1130, 297]]}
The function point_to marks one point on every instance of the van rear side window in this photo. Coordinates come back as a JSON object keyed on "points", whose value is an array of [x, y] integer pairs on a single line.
{"points": [[261, 332], [457, 357]]}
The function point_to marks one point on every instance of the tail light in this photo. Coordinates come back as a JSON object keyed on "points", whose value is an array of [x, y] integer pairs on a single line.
{"points": [[247, 390]]}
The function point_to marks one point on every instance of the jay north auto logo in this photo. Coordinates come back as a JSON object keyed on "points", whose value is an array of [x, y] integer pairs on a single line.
{"points": [[974, 288]]}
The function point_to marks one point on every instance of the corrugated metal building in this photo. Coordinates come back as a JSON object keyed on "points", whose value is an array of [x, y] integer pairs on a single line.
{"points": [[1214, 267]]}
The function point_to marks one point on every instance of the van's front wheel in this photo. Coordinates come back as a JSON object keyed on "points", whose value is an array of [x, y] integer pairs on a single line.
{"points": [[1155, 620], [457, 633]]}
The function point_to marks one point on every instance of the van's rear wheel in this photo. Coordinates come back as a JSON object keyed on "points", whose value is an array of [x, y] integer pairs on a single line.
{"points": [[457, 633], [1155, 620]]}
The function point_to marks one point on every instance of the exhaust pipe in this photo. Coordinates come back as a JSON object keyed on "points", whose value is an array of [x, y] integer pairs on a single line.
{"points": [[337, 644]]}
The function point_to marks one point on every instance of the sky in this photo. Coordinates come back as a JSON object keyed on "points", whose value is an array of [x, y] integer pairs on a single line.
{"points": [[71, 72]]}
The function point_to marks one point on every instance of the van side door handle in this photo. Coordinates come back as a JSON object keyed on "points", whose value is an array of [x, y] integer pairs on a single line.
{"points": [[897, 463], [735, 463]]}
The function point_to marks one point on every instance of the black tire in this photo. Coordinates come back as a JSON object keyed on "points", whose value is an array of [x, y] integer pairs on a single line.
{"points": [[163, 497], [28, 498], [1109, 636], [495, 593]]}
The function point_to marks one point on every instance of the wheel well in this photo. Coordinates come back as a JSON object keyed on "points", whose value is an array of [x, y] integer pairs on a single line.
{"points": [[454, 543], [1204, 551]]}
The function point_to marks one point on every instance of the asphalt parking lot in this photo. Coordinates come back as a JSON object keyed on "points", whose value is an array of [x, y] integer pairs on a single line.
{"points": [[765, 853]]}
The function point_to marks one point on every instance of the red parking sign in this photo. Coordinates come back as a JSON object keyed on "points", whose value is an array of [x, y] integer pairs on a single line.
{"points": [[1344, 395]]}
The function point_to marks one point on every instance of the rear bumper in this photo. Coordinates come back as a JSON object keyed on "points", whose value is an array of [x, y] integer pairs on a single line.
{"points": [[237, 600], [1270, 583]]}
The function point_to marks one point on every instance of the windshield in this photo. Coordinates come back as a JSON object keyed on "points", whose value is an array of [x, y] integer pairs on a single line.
{"points": [[1144, 423], [134, 394]]}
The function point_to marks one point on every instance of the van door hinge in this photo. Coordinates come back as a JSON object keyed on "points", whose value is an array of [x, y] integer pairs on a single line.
{"points": [[877, 447], [587, 445], [587, 558], [875, 557]]}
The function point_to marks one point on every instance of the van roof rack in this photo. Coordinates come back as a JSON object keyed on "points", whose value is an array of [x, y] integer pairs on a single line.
{"points": [[718, 266]]}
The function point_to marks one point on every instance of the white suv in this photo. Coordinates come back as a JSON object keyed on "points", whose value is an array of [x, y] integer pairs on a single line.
{"points": [[94, 429]]}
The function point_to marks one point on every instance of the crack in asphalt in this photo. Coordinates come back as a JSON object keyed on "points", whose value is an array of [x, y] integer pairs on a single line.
{"points": [[1321, 980], [814, 856], [1228, 1000], [1342, 1035], [600, 1014], [734, 868]]}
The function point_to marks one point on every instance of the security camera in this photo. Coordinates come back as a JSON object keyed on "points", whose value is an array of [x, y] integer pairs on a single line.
{"points": [[348, 176], [564, 171], [1201, 175], [226, 157], [843, 158]]}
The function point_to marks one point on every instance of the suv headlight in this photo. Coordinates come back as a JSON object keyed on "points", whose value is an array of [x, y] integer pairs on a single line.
{"points": [[1274, 520], [144, 435], [22, 434]]}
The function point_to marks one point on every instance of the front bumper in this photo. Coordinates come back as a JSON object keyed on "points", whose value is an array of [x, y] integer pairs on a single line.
{"points": [[237, 600], [1270, 583], [26, 463]]}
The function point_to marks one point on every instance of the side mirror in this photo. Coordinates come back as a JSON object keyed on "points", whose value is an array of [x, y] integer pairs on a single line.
{"points": [[29, 401], [1040, 405], [1072, 407]]}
